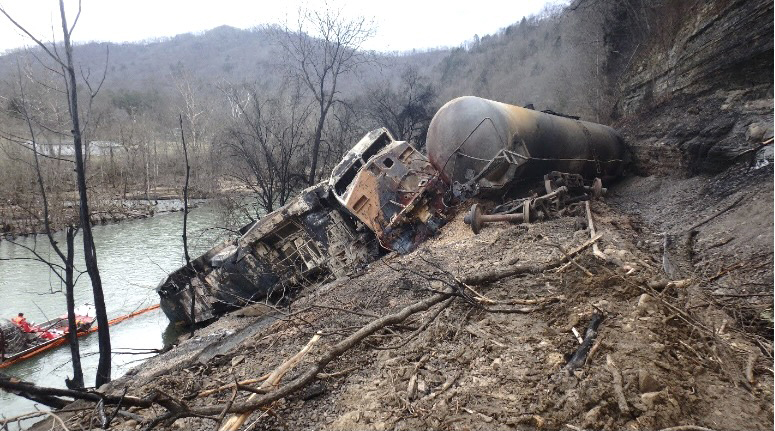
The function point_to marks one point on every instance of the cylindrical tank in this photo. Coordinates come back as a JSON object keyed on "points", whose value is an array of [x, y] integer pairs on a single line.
{"points": [[471, 139]]}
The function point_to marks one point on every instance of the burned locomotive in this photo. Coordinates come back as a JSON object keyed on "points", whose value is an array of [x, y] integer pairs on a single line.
{"points": [[383, 193], [386, 196]]}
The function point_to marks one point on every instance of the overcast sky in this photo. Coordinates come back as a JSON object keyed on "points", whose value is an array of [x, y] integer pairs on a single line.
{"points": [[401, 24]]}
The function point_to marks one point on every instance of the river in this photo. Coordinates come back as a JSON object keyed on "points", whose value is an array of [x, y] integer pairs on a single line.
{"points": [[133, 257]]}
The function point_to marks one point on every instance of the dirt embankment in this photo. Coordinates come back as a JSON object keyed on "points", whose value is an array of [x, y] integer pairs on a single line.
{"points": [[698, 352]]}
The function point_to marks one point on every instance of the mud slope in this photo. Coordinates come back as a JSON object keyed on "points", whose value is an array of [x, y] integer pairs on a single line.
{"points": [[664, 356]]}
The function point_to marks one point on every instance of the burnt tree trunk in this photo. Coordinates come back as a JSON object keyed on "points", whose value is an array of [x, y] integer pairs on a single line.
{"points": [[325, 105], [185, 228], [89, 250], [315, 150], [77, 381]]}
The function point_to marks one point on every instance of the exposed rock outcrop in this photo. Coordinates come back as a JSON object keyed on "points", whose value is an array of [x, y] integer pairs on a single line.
{"points": [[698, 94]]}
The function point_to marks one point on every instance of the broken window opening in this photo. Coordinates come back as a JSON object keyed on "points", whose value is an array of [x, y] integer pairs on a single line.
{"points": [[282, 233], [348, 177], [376, 147]]}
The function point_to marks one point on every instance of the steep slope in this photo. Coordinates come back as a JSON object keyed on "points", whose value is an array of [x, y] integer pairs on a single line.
{"points": [[462, 364]]}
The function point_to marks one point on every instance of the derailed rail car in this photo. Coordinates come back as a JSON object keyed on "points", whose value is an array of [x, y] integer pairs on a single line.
{"points": [[304, 241], [386, 192], [392, 188], [483, 146]]}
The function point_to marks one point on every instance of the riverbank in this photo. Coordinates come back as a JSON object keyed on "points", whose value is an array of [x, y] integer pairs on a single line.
{"points": [[16, 222], [693, 352]]}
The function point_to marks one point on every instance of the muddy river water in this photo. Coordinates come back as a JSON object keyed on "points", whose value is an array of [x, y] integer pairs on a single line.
{"points": [[133, 257]]}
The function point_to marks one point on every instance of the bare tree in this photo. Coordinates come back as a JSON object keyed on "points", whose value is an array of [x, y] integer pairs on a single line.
{"points": [[324, 46], [196, 114], [65, 269], [343, 130], [66, 66], [406, 111], [185, 225], [265, 141]]}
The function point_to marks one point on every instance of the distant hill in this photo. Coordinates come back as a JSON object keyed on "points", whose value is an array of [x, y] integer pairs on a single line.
{"points": [[520, 64]]}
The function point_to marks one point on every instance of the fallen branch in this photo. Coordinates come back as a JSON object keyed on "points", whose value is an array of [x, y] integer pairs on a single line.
{"points": [[579, 357], [595, 249], [274, 378], [231, 385], [578, 250], [515, 301], [5, 421], [678, 284], [490, 276], [222, 416], [423, 327], [571, 259], [106, 424], [337, 350], [592, 351], [754, 149], [42, 395], [34, 392], [323, 376], [447, 384], [58, 420], [461, 286], [686, 428], [478, 296], [712, 216], [749, 366], [52, 395]]}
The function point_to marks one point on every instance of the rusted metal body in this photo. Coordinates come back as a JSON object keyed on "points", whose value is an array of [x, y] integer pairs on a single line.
{"points": [[383, 192], [483, 145], [392, 188], [306, 240]]}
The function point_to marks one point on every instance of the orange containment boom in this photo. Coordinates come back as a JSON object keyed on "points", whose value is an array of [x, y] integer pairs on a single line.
{"points": [[51, 344]]}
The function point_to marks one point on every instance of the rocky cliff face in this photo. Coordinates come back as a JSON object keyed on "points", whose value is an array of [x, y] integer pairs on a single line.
{"points": [[697, 94]]}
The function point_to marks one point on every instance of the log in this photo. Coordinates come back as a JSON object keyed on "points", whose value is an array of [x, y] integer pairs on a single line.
{"points": [[274, 378], [31, 390], [337, 350]]}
